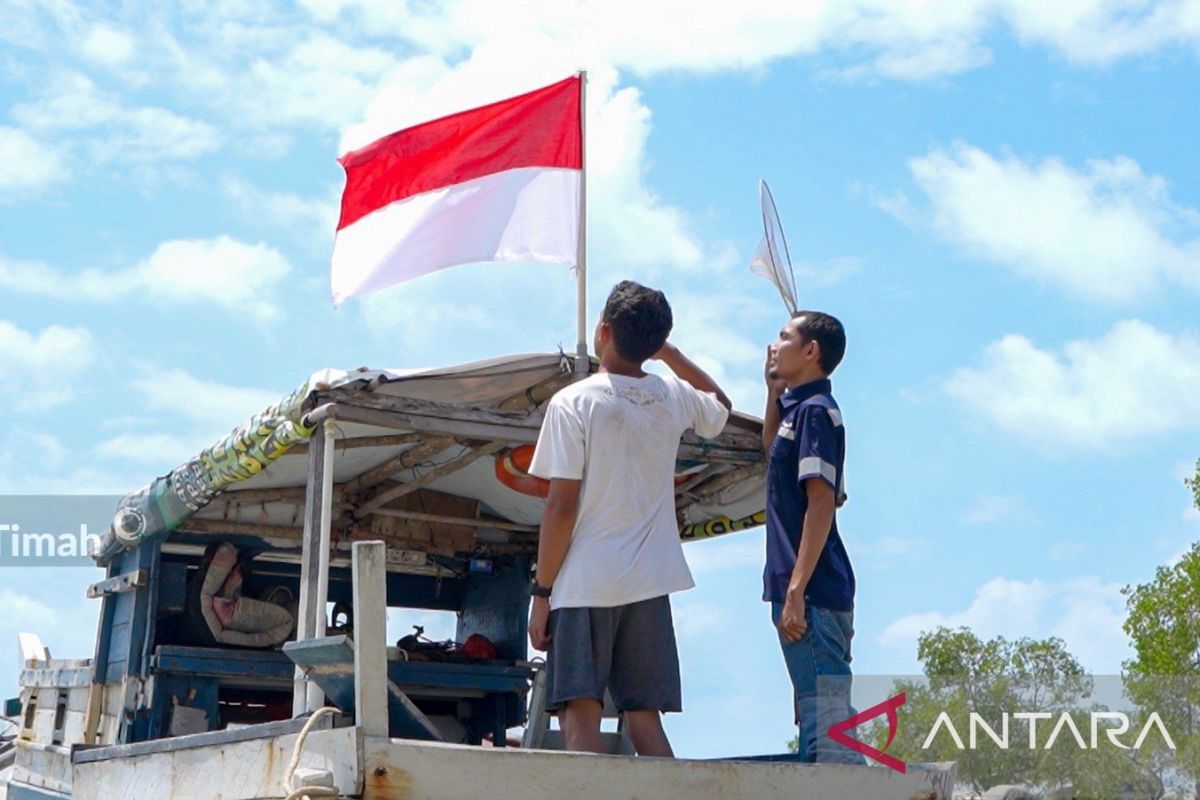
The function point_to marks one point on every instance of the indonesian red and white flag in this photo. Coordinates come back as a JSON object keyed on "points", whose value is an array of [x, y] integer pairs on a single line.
{"points": [[497, 183]]}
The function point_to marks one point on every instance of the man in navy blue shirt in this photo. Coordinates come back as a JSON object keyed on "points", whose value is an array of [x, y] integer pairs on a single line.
{"points": [[808, 579]]}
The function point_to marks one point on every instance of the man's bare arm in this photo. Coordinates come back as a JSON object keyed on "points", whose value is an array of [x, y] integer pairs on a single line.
{"points": [[818, 520], [558, 522], [687, 370]]}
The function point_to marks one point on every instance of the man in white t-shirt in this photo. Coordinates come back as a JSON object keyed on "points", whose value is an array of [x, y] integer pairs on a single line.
{"points": [[609, 554]]}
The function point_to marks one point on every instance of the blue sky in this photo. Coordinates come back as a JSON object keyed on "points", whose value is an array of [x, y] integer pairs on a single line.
{"points": [[1000, 199]]}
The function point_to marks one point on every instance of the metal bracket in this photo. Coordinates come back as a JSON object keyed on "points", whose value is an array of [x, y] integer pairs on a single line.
{"points": [[119, 584]]}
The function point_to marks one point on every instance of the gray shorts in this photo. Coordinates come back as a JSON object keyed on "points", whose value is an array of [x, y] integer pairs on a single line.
{"points": [[629, 650]]}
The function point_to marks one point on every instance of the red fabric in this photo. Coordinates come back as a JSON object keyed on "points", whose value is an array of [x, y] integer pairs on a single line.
{"points": [[539, 129], [479, 646]]}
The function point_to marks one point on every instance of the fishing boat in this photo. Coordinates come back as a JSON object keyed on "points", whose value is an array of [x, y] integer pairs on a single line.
{"points": [[242, 648]]}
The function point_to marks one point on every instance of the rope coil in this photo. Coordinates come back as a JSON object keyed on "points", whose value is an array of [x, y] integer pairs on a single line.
{"points": [[306, 792]]}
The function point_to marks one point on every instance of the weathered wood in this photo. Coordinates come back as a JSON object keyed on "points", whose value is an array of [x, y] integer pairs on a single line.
{"points": [[215, 527], [385, 496], [312, 607], [699, 477], [473, 522], [239, 770], [708, 491], [539, 718], [256, 496], [536, 395], [431, 446], [352, 443], [509, 428], [495, 425], [398, 768], [370, 637]]}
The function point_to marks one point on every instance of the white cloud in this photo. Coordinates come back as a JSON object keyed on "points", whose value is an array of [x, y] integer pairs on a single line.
{"points": [[708, 329], [1000, 607], [36, 462], [313, 218], [1131, 383], [1101, 33], [239, 277], [1107, 233], [26, 164], [215, 407], [163, 449], [107, 45], [628, 222], [913, 41], [23, 613], [38, 370], [112, 131], [733, 551], [990, 509], [888, 553], [1085, 612]]}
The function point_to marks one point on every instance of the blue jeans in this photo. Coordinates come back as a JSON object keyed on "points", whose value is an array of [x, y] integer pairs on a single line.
{"points": [[819, 666]]}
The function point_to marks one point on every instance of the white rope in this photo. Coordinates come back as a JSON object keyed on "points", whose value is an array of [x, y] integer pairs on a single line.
{"points": [[306, 792]]}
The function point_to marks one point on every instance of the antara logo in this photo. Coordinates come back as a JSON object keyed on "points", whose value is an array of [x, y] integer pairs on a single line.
{"points": [[1100, 721], [838, 732]]}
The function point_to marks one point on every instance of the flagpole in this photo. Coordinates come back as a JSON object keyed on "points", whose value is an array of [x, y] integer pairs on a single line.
{"points": [[582, 362]]}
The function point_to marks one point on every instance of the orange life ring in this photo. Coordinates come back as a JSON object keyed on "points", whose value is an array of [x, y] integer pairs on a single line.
{"points": [[512, 470]]}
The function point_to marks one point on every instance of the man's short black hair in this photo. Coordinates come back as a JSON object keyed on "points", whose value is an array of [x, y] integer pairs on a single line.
{"points": [[828, 332], [640, 318]]}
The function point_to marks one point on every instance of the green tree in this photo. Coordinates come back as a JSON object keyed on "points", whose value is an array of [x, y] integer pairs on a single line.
{"points": [[1163, 624], [966, 675], [1193, 483]]}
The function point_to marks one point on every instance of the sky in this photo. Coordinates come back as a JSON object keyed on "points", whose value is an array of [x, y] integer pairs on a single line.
{"points": [[999, 198]]}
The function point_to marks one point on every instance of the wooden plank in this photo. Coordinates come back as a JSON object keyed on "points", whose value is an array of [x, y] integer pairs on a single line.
{"points": [[91, 755], [240, 770], [699, 477], [207, 526], [370, 637], [473, 423], [708, 491], [473, 522], [395, 769], [353, 443], [385, 496], [311, 610], [487, 431], [408, 721], [539, 718], [214, 662], [431, 446]]}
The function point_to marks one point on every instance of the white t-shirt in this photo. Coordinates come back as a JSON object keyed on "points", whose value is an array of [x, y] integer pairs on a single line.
{"points": [[619, 435]]}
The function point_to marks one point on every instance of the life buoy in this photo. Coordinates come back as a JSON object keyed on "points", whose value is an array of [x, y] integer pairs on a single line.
{"points": [[512, 470]]}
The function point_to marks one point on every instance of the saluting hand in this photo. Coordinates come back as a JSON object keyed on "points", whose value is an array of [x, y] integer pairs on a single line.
{"points": [[775, 386]]}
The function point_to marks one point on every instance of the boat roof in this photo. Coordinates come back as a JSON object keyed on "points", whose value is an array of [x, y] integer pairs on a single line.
{"points": [[415, 449]]}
